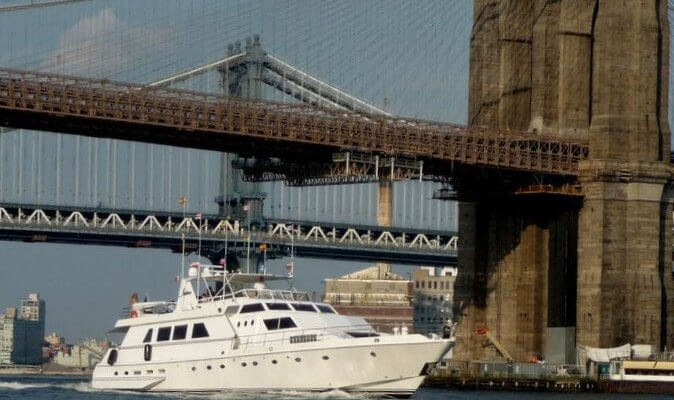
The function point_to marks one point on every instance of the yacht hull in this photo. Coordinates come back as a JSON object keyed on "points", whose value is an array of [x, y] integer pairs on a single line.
{"points": [[395, 369]]}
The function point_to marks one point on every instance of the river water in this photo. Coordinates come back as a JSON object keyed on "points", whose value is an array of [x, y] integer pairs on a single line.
{"points": [[57, 388]]}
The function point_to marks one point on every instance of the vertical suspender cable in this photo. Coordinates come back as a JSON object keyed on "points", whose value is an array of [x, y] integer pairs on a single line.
{"points": [[39, 161], [19, 169], [132, 176], [77, 169], [150, 177], [95, 171]]}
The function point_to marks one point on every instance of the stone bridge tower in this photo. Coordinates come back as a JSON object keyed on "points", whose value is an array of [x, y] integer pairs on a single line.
{"points": [[592, 70]]}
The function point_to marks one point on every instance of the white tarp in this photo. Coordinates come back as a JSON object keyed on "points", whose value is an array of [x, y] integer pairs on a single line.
{"points": [[604, 355]]}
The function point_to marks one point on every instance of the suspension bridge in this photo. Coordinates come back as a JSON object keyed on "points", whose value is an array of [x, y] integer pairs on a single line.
{"points": [[562, 167]]}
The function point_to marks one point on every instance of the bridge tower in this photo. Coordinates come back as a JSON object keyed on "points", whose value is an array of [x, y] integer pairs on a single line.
{"points": [[546, 271], [242, 80]]}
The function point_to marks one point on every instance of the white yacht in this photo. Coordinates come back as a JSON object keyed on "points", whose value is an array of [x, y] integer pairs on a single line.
{"points": [[241, 335]]}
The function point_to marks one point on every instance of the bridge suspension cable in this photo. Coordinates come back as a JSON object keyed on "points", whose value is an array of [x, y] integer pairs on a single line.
{"points": [[36, 4]]}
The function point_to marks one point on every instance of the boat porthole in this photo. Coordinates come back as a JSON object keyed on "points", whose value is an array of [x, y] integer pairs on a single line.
{"points": [[126, 372], [252, 322], [222, 352], [326, 357], [219, 310], [116, 373], [243, 364], [238, 324], [222, 366], [245, 323], [254, 363], [373, 354], [208, 367], [194, 368], [274, 361], [298, 359], [376, 340]]}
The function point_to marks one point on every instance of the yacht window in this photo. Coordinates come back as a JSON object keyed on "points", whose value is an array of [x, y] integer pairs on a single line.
{"points": [[325, 308], [271, 324], [164, 334], [180, 332], [148, 336], [248, 308], [362, 334], [199, 331], [231, 310], [278, 306], [286, 322], [303, 307], [279, 323], [112, 357]]}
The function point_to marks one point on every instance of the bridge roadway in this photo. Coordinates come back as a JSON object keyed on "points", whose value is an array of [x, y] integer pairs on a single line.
{"points": [[300, 133], [137, 228]]}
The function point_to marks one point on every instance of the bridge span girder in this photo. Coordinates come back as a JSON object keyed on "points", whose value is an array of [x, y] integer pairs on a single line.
{"points": [[266, 129], [143, 229]]}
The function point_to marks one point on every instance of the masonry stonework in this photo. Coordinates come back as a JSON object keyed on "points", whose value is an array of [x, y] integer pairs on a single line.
{"points": [[594, 70]]}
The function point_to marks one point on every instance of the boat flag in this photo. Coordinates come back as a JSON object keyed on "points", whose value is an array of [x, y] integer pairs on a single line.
{"points": [[182, 201], [198, 217]]}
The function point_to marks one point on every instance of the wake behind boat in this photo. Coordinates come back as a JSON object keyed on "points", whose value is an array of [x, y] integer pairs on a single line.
{"points": [[241, 335]]}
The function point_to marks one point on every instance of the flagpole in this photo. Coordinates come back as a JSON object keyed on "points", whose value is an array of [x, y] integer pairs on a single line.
{"points": [[224, 265], [200, 237], [292, 255], [247, 210], [182, 201], [182, 263], [199, 260]]}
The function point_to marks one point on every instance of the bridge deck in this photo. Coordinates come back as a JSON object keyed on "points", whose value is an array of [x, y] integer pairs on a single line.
{"points": [[133, 112], [136, 228]]}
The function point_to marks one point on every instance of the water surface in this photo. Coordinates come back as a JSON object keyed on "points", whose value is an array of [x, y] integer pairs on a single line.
{"points": [[62, 388]]}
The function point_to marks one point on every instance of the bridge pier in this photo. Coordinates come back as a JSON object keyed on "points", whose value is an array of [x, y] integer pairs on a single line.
{"points": [[587, 70], [517, 274], [625, 274]]}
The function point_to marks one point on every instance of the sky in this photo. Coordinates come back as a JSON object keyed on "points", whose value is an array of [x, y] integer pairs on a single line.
{"points": [[409, 57]]}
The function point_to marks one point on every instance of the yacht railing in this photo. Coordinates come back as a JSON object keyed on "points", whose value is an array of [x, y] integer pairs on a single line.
{"points": [[294, 336], [261, 294], [157, 309]]}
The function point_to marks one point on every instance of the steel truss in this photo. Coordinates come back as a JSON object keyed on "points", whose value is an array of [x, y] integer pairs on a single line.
{"points": [[346, 167], [121, 110], [140, 229]]}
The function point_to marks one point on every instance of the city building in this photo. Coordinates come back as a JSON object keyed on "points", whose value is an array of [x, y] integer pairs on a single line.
{"points": [[433, 298], [84, 355], [22, 333], [55, 340], [7, 335], [383, 298]]}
